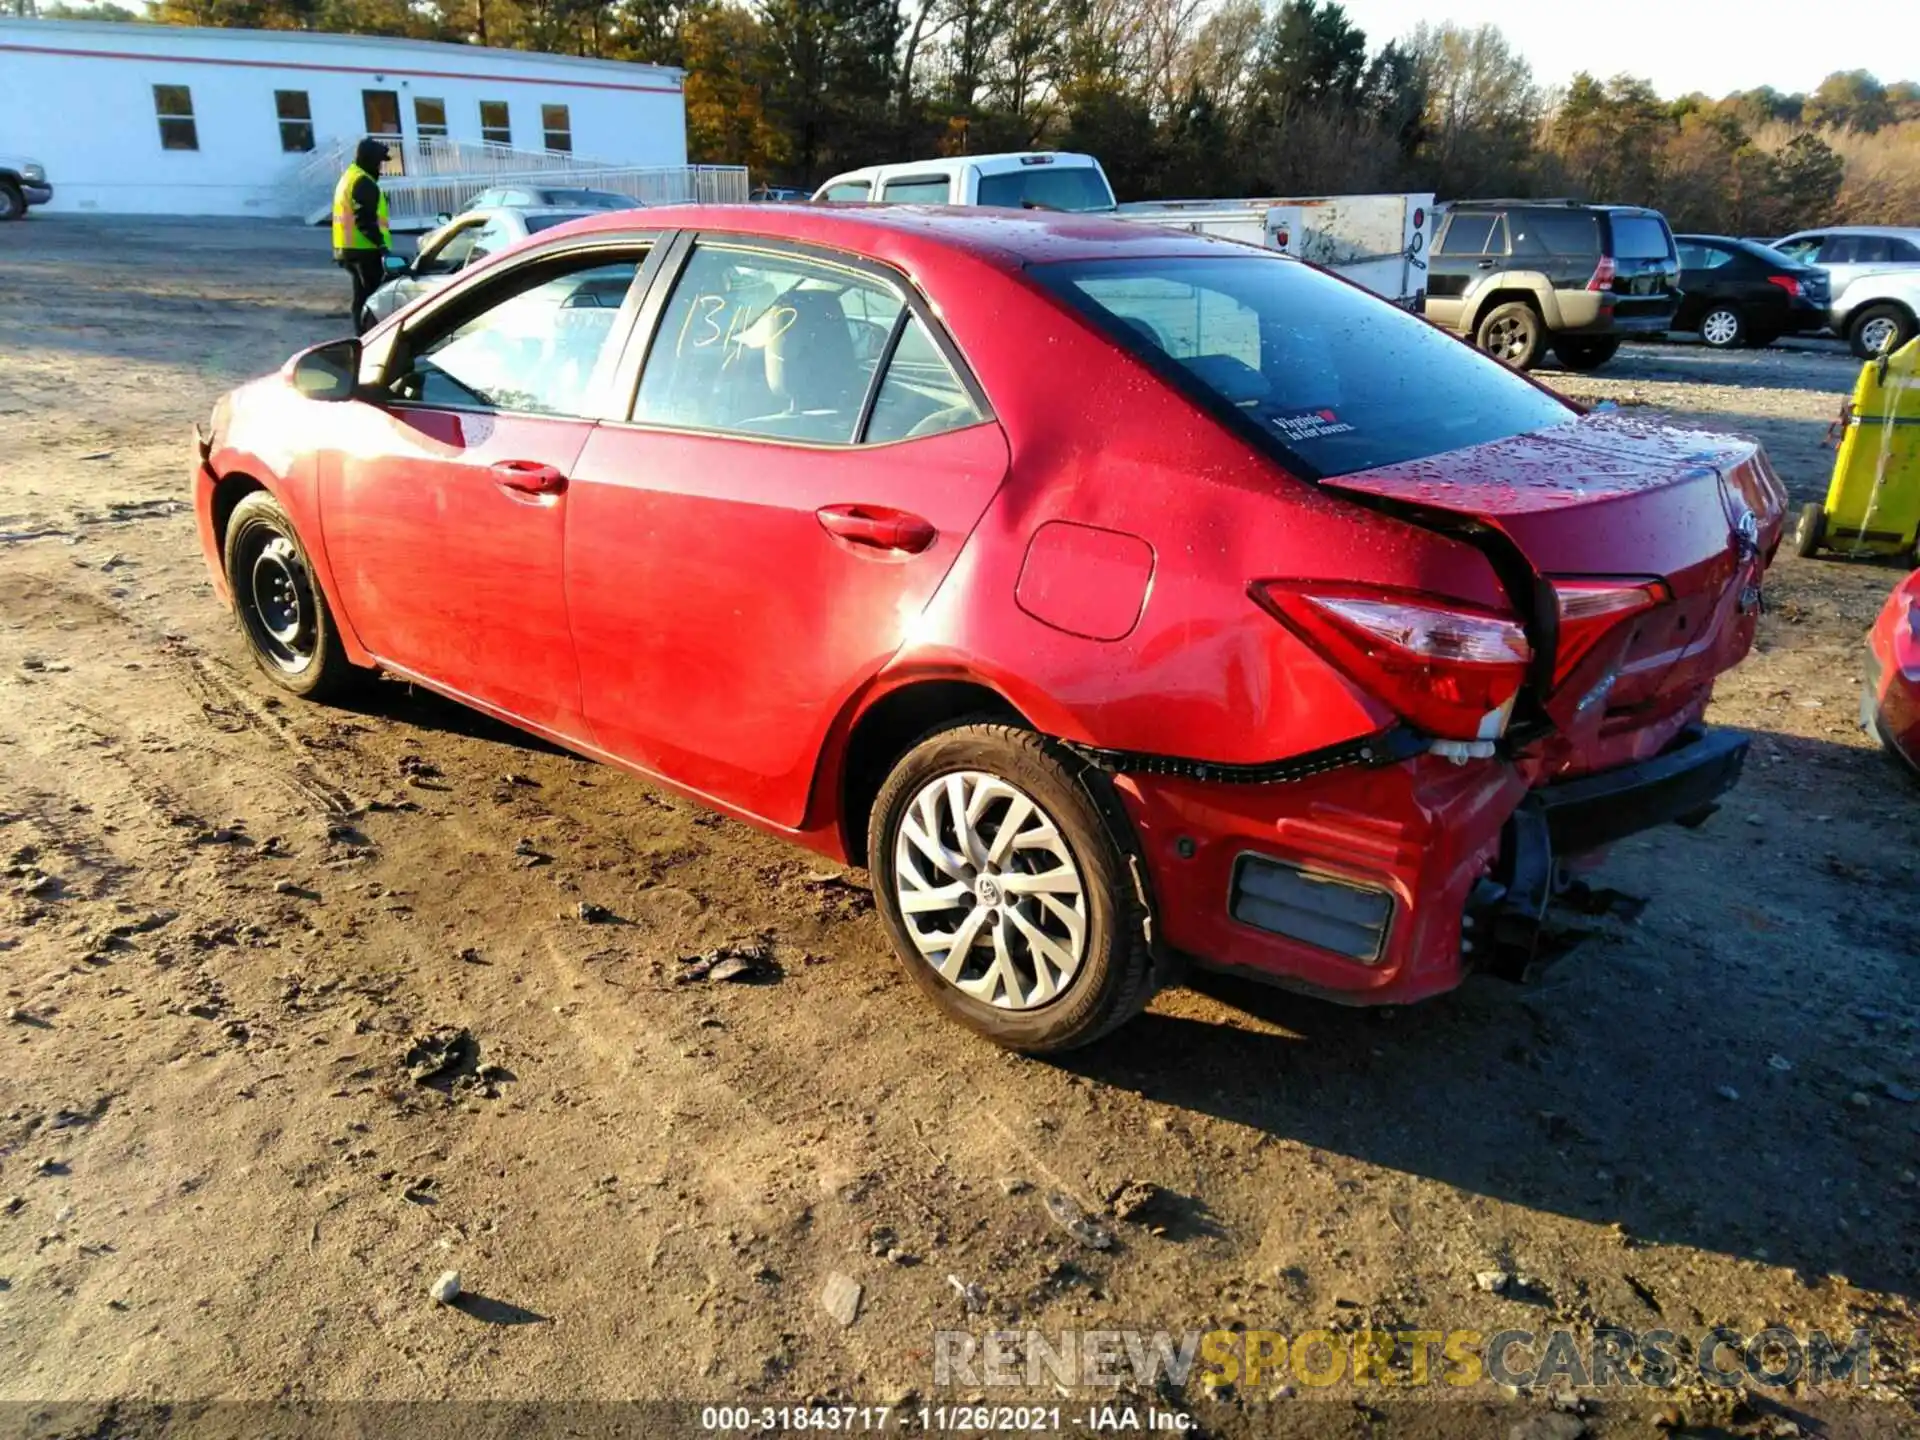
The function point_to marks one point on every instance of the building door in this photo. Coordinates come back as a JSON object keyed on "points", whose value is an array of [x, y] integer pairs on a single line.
{"points": [[382, 111]]}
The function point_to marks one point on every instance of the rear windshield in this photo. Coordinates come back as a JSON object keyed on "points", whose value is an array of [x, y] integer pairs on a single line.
{"points": [[1337, 378], [1052, 187], [1640, 237], [590, 199]]}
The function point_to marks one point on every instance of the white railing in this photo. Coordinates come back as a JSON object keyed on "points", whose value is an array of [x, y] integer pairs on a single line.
{"points": [[435, 175]]}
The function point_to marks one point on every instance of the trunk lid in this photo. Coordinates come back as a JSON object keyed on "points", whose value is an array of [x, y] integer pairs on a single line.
{"points": [[1607, 498]]}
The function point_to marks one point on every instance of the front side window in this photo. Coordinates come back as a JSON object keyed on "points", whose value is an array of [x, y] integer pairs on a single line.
{"points": [[771, 345], [1336, 379], [173, 107], [1803, 249], [916, 190], [848, 190], [429, 118], [557, 128], [496, 126], [534, 351], [296, 120]]}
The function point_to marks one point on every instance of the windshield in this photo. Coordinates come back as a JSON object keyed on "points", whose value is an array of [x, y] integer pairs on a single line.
{"points": [[1052, 187], [1639, 237], [1337, 378]]}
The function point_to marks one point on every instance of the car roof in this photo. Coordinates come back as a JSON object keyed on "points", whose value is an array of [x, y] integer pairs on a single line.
{"points": [[1007, 238], [949, 165]]}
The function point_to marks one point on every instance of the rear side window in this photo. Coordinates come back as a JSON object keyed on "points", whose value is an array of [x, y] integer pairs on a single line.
{"points": [[1047, 187], [916, 190], [1574, 234], [1702, 257], [848, 190], [1336, 379], [772, 345], [1641, 237], [1474, 235], [1904, 252], [920, 394]]}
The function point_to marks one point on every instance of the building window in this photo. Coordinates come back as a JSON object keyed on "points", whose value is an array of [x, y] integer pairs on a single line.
{"points": [[558, 127], [429, 118], [296, 120], [173, 105], [495, 128]]}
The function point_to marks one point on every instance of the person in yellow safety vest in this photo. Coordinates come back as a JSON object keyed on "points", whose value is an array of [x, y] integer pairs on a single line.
{"points": [[361, 238]]}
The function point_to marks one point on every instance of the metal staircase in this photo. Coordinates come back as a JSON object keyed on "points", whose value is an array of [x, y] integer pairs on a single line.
{"points": [[436, 176]]}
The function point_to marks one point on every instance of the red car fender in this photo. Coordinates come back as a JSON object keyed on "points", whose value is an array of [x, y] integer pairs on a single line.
{"points": [[249, 454]]}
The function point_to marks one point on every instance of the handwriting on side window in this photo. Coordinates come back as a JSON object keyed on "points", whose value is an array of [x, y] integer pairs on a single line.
{"points": [[702, 329]]}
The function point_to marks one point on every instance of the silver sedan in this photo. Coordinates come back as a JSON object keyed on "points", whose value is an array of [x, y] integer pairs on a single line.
{"points": [[466, 239]]}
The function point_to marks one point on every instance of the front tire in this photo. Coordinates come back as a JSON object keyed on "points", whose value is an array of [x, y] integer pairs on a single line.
{"points": [[1723, 327], [282, 610], [1877, 328], [1512, 333], [1810, 530], [13, 204], [1586, 354], [1005, 892]]}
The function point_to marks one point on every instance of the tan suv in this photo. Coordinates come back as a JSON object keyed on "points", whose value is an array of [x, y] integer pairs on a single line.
{"points": [[1521, 276]]}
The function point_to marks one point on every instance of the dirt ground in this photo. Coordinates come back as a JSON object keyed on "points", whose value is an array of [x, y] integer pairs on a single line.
{"points": [[303, 1012]]}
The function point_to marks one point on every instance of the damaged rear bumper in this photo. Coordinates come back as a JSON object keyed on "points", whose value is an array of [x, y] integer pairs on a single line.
{"points": [[1385, 886]]}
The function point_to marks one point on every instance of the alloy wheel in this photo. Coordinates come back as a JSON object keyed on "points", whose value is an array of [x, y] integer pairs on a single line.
{"points": [[1509, 339], [1721, 327], [1877, 333], [989, 892]]}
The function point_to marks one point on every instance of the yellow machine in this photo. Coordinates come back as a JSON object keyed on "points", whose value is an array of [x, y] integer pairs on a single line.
{"points": [[1873, 502]]}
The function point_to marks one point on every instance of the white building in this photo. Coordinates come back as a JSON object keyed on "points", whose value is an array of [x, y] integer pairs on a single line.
{"points": [[169, 120]]}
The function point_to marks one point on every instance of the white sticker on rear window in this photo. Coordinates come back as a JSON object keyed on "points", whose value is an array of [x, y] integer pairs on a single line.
{"points": [[1310, 425]]}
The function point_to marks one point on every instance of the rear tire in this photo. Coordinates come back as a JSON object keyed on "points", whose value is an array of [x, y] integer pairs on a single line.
{"points": [[13, 205], [1060, 957], [1513, 334], [1810, 530], [282, 610], [1586, 354], [1870, 330], [1723, 327]]}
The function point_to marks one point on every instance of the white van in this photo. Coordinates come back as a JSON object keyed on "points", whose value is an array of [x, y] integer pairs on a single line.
{"points": [[1034, 179]]}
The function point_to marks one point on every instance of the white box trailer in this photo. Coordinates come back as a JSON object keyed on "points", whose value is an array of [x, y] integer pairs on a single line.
{"points": [[1377, 241]]}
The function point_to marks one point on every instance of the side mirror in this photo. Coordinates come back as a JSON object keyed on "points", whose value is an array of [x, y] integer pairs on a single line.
{"points": [[393, 264], [328, 372], [443, 218]]}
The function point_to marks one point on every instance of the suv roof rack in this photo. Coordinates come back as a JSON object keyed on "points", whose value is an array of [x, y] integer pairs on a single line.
{"points": [[1532, 200]]}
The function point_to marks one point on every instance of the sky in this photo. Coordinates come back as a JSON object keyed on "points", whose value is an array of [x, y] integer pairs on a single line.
{"points": [[1716, 46]]}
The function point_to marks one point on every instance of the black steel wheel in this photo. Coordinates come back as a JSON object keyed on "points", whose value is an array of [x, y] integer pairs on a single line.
{"points": [[282, 611]]}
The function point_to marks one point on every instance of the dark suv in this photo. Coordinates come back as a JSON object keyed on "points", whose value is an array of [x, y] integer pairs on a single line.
{"points": [[1518, 276]]}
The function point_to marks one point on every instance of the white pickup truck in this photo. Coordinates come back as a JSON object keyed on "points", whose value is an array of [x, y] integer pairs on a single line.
{"points": [[1377, 241], [23, 182]]}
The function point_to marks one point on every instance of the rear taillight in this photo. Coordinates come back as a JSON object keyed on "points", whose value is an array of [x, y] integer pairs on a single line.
{"points": [[1786, 283], [1452, 671], [1589, 609], [1602, 274]]}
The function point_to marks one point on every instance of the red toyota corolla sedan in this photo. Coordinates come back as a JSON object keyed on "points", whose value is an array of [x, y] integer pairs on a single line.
{"points": [[1115, 596]]}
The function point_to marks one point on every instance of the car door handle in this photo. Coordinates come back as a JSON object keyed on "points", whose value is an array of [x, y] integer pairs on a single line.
{"points": [[529, 477], [1485, 265], [878, 527]]}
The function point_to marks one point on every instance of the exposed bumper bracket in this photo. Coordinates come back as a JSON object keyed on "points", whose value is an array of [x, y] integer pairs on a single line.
{"points": [[1388, 747]]}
